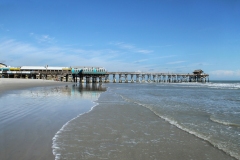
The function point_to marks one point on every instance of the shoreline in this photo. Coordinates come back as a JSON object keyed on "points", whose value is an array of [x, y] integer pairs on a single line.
{"points": [[105, 109], [54, 145], [126, 130]]}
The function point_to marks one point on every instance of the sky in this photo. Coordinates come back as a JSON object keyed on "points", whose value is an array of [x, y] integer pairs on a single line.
{"points": [[170, 36]]}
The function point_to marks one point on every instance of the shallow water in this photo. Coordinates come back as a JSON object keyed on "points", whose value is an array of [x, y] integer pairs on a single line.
{"points": [[209, 111]]}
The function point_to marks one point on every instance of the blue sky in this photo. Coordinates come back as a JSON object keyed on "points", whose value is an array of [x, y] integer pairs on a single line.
{"points": [[124, 35]]}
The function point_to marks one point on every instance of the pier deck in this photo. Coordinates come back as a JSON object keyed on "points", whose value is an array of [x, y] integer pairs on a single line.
{"points": [[115, 77], [97, 74]]}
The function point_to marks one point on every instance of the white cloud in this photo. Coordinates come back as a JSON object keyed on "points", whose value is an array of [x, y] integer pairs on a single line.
{"points": [[42, 38], [124, 45], [225, 73], [131, 48], [176, 62], [141, 60], [17, 53], [144, 51], [169, 56], [237, 72], [164, 46], [154, 58]]}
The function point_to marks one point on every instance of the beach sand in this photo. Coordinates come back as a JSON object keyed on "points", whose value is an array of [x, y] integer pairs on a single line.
{"points": [[30, 137], [7, 84]]}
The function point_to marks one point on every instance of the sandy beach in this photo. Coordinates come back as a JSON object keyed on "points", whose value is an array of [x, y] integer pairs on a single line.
{"points": [[7, 84], [28, 134]]}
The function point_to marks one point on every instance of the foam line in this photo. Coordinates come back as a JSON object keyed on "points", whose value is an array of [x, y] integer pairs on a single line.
{"points": [[55, 146], [175, 123]]}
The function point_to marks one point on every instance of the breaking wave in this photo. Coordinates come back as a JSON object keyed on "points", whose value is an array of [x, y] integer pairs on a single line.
{"points": [[224, 122], [197, 134]]}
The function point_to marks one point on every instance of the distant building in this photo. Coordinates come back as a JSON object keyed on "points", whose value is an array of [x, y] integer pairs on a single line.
{"points": [[2, 65], [88, 70], [198, 72]]}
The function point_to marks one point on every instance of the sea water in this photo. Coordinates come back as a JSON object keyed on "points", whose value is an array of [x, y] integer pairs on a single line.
{"points": [[210, 111]]}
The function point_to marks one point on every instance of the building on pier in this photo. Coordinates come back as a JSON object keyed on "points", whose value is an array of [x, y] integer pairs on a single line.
{"points": [[34, 72], [2, 65], [46, 72], [198, 72], [90, 74]]}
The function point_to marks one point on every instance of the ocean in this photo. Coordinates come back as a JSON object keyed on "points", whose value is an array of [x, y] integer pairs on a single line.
{"points": [[209, 111]]}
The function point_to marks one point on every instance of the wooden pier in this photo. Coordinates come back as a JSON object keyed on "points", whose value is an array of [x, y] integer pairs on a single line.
{"points": [[114, 77], [142, 77], [99, 75]]}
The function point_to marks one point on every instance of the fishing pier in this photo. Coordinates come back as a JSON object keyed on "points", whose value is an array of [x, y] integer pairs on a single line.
{"points": [[98, 75], [142, 77]]}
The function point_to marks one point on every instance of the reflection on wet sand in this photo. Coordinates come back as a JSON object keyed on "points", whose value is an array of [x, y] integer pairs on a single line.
{"points": [[87, 91], [30, 118]]}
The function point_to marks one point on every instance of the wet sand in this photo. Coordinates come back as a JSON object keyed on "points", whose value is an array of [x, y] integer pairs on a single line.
{"points": [[7, 84], [30, 137], [119, 130]]}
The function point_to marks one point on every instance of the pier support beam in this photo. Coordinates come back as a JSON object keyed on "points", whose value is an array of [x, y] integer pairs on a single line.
{"points": [[100, 79], [149, 78], [106, 79], [132, 81], [67, 78], [143, 78], [126, 78], [81, 79], [94, 80], [159, 78], [74, 78], [120, 78], [154, 78], [137, 78], [114, 78]]}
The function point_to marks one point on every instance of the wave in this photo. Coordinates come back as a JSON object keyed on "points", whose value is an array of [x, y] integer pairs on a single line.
{"points": [[224, 122], [197, 134], [55, 144], [209, 85], [223, 85]]}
